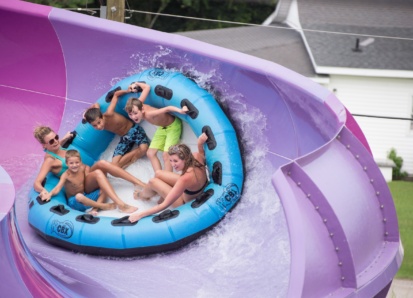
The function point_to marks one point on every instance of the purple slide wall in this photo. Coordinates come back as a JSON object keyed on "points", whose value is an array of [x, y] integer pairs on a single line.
{"points": [[336, 228]]}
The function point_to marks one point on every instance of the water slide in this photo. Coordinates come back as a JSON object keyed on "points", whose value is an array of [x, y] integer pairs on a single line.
{"points": [[315, 219]]}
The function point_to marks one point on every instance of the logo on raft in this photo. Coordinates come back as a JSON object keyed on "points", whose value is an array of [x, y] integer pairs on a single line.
{"points": [[229, 197], [158, 73], [63, 229]]}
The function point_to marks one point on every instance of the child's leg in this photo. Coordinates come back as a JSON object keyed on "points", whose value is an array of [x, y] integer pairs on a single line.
{"points": [[162, 188], [167, 163], [99, 178], [172, 137], [153, 157], [107, 167], [130, 157], [105, 206], [90, 202], [155, 185]]}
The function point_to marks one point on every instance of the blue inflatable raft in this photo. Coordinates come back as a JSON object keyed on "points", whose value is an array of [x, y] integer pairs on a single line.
{"points": [[60, 225]]}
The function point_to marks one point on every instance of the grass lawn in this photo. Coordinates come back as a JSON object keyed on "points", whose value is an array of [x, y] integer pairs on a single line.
{"points": [[402, 192]]}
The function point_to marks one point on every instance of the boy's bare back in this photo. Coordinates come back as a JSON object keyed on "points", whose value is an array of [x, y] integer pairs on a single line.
{"points": [[158, 119], [75, 182], [117, 123]]}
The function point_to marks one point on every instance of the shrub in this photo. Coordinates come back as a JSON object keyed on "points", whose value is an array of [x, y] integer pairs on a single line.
{"points": [[398, 174]]}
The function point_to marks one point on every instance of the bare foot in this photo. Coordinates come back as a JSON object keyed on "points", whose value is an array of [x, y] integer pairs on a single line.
{"points": [[127, 208], [108, 206], [137, 193], [93, 212]]}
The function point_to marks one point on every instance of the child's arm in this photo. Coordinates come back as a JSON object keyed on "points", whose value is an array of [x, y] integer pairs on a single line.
{"points": [[168, 109], [56, 189], [145, 90], [111, 109], [201, 141]]}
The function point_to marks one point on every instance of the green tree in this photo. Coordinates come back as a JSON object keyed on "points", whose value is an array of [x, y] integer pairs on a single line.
{"points": [[398, 161], [254, 12], [242, 11]]}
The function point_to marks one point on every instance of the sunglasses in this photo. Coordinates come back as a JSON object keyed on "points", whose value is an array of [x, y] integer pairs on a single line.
{"points": [[55, 139]]}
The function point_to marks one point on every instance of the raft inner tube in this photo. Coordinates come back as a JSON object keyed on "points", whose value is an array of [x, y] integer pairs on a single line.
{"points": [[60, 225]]}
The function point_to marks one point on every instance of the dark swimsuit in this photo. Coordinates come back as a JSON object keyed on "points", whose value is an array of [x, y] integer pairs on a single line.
{"points": [[191, 193]]}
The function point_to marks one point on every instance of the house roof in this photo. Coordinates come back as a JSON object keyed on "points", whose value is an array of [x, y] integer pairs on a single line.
{"points": [[390, 18], [314, 53], [282, 46]]}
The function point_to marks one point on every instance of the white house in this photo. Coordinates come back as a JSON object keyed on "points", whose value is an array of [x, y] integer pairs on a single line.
{"points": [[360, 49]]}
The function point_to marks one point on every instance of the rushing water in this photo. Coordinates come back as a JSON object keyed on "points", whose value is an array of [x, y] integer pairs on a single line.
{"points": [[245, 255]]}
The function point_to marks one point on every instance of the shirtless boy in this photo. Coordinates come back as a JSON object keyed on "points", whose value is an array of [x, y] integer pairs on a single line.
{"points": [[169, 128], [130, 133], [74, 179]]}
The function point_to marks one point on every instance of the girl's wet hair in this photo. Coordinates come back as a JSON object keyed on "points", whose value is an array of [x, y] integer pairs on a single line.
{"points": [[40, 132], [184, 153], [133, 101]]}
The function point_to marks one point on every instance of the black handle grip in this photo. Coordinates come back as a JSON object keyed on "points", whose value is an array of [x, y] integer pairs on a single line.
{"points": [[110, 94], [211, 142], [87, 218], [192, 110], [123, 222]]}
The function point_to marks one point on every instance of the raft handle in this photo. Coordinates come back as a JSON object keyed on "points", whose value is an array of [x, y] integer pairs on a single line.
{"points": [[217, 172], [70, 140], [110, 94], [138, 88], [211, 142], [193, 111], [165, 215], [40, 201], [87, 218], [59, 209], [123, 221], [202, 198], [163, 92]]}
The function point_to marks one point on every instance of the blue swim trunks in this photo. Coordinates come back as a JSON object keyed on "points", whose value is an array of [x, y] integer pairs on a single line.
{"points": [[94, 195], [135, 135]]}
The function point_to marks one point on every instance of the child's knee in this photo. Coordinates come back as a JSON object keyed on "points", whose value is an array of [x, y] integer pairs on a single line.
{"points": [[158, 173], [79, 198], [144, 148], [101, 164], [152, 181], [151, 153]]}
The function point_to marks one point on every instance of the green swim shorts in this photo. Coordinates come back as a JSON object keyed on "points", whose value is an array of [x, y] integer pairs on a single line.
{"points": [[165, 137]]}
